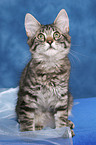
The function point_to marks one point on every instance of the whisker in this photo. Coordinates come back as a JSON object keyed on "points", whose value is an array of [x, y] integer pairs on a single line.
{"points": [[72, 60], [79, 53], [74, 56], [75, 45], [26, 59]]}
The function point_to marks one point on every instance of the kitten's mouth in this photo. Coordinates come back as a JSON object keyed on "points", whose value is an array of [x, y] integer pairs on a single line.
{"points": [[51, 48]]}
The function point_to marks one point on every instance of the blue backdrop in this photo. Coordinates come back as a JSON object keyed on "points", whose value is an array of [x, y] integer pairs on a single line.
{"points": [[14, 51]]}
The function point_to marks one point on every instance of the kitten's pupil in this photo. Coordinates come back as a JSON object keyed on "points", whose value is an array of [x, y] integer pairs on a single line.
{"points": [[41, 36], [56, 35]]}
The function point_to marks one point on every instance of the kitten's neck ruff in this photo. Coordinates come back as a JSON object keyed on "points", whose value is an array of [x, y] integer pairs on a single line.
{"points": [[51, 64], [56, 58]]}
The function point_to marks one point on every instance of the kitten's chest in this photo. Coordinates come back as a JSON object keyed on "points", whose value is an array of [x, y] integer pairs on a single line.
{"points": [[51, 90], [47, 98]]}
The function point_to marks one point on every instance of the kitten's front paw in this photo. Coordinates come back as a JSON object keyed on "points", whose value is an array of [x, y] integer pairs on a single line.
{"points": [[24, 127], [38, 127]]}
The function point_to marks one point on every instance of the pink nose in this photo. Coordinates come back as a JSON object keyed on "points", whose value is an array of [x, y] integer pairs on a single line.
{"points": [[50, 41]]}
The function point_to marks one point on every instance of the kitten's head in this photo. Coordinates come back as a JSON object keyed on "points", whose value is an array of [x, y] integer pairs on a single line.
{"points": [[47, 41]]}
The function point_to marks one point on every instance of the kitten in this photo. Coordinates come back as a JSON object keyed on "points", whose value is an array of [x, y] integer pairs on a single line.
{"points": [[43, 97]]}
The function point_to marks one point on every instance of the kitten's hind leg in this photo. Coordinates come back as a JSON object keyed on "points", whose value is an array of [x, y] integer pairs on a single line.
{"points": [[70, 103], [72, 133], [71, 125]]}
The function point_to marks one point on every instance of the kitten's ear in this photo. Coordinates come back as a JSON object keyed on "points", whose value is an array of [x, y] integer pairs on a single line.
{"points": [[62, 21], [31, 25]]}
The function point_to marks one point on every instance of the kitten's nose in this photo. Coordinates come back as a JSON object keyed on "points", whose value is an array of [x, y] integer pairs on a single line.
{"points": [[49, 40]]}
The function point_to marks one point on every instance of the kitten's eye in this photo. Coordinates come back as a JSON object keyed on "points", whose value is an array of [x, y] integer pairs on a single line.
{"points": [[41, 37], [56, 35]]}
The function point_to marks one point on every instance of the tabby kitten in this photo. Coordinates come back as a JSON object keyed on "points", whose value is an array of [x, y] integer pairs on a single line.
{"points": [[43, 97]]}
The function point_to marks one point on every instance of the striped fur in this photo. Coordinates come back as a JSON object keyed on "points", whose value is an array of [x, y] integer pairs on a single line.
{"points": [[43, 97]]}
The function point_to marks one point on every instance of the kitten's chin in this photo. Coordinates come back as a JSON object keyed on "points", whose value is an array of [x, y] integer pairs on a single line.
{"points": [[51, 52]]}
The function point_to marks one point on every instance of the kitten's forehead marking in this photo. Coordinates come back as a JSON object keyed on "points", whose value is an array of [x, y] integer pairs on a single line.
{"points": [[47, 30]]}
